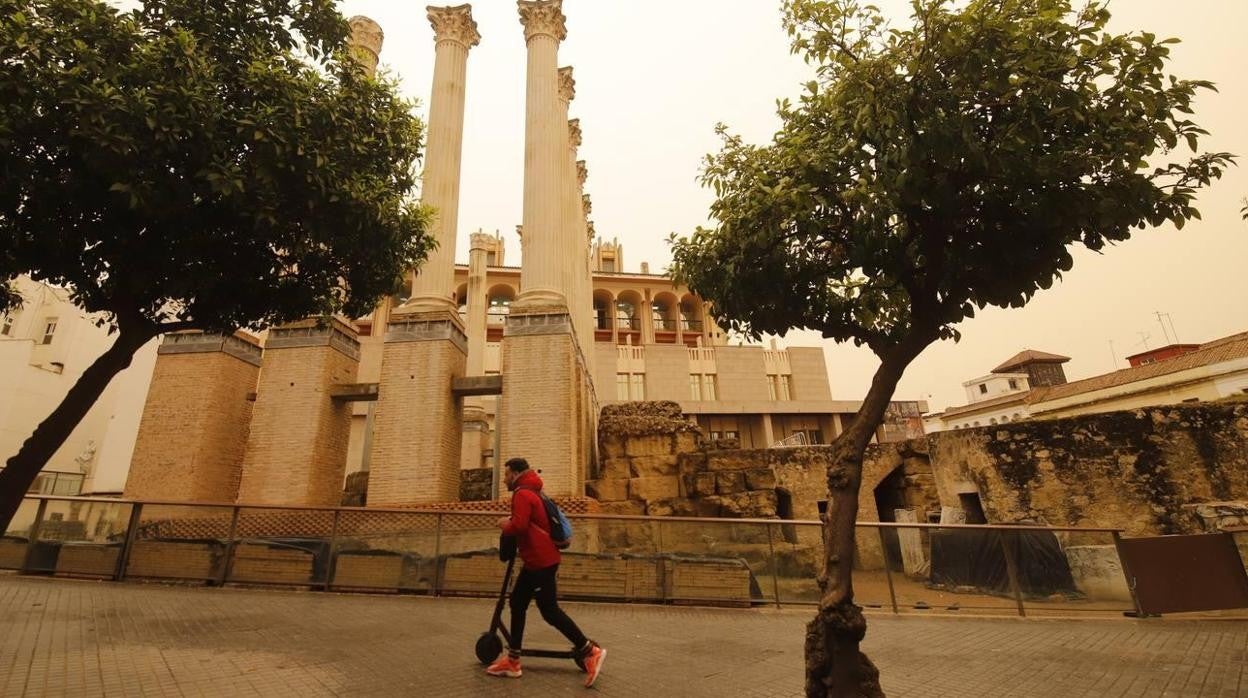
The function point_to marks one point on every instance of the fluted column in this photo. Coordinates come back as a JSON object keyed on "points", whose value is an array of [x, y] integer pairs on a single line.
{"points": [[540, 275], [476, 426], [454, 33], [571, 140]]}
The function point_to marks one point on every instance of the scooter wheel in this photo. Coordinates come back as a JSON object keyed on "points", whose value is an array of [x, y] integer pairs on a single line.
{"points": [[489, 647]]}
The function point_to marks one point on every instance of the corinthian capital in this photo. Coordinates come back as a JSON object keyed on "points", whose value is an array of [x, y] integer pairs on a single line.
{"points": [[454, 24], [567, 85], [365, 42], [574, 133], [587, 204], [543, 17], [582, 172]]}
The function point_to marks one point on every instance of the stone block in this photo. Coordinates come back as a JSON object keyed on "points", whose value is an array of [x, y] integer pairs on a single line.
{"points": [[615, 468], [760, 479], [688, 442], [731, 460], [626, 508], [729, 482], [612, 446], [648, 446], [653, 488], [762, 504], [652, 466], [687, 463], [608, 489], [701, 485]]}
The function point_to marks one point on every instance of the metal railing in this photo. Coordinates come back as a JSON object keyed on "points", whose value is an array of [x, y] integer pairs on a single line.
{"points": [[1024, 570]]}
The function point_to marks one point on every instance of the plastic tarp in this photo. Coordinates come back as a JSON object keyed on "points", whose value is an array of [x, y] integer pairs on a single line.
{"points": [[976, 558]]}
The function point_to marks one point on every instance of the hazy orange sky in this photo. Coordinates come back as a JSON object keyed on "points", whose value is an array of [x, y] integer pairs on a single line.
{"points": [[654, 77]]}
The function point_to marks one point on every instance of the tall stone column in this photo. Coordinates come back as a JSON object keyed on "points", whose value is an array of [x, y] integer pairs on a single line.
{"points": [[541, 271], [364, 45], [418, 423], [476, 426], [571, 139], [543, 373], [454, 33]]}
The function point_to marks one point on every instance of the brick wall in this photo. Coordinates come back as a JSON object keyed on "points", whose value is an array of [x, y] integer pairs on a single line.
{"points": [[194, 428], [297, 449], [417, 426], [538, 412]]}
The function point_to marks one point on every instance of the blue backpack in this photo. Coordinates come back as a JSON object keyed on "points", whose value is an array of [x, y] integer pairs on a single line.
{"points": [[560, 527]]}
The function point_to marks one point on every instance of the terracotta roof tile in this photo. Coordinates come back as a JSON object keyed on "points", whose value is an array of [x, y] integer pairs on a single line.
{"points": [[1029, 356]]}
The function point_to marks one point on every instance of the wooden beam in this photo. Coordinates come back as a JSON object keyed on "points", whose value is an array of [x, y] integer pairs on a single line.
{"points": [[353, 392], [477, 385]]}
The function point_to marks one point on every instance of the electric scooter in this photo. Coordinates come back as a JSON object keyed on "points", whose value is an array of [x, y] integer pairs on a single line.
{"points": [[490, 645]]}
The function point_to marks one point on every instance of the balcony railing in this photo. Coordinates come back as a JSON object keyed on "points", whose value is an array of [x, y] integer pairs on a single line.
{"points": [[741, 562], [628, 323], [664, 325], [691, 325]]}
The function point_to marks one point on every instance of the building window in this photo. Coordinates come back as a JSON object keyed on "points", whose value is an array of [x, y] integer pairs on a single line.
{"points": [[781, 387], [491, 259], [1013, 384], [813, 436], [608, 265], [637, 387], [771, 388], [695, 387], [621, 387], [983, 388], [48, 330], [708, 388]]}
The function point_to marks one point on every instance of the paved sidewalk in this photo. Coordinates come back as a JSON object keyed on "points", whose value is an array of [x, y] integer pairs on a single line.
{"points": [[71, 638]]}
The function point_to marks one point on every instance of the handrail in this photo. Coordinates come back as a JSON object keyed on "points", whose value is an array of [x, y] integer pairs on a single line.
{"points": [[613, 517]]}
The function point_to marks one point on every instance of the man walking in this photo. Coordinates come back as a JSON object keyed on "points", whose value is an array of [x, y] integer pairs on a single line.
{"points": [[531, 527]]}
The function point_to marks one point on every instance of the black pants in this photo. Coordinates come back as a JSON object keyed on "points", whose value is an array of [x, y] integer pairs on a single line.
{"points": [[541, 584]]}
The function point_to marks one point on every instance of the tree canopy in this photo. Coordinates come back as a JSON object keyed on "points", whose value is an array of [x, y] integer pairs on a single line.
{"points": [[202, 164], [931, 170]]}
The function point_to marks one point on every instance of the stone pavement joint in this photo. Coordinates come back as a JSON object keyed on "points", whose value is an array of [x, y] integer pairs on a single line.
{"points": [[63, 637]]}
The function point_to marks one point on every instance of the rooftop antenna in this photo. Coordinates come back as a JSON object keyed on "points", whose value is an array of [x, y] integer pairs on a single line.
{"points": [[1164, 331], [1113, 354], [1144, 337], [1172, 330]]}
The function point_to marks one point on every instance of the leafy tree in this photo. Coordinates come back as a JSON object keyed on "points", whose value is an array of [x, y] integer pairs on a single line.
{"points": [[928, 171], [195, 164]]}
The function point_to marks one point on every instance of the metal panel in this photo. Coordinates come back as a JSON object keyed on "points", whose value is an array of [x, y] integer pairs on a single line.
{"points": [[1176, 574]]}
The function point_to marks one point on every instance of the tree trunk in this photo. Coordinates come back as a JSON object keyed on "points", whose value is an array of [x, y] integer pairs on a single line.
{"points": [[22, 469], [835, 667]]}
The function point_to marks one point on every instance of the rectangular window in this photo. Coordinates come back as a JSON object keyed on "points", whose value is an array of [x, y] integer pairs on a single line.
{"points": [[608, 265], [1013, 384], [708, 388], [814, 436], [621, 387], [784, 388], [638, 389], [49, 330], [732, 435], [491, 259], [771, 387], [983, 388], [695, 387]]}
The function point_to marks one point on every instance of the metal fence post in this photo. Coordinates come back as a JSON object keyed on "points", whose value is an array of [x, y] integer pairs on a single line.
{"points": [[33, 536], [437, 553], [1126, 573], [888, 572], [132, 532], [228, 559], [775, 581], [1011, 569], [332, 559]]}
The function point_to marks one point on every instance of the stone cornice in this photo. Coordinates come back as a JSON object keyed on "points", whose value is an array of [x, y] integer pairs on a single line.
{"points": [[543, 17], [567, 84], [574, 133], [454, 24], [582, 172]]}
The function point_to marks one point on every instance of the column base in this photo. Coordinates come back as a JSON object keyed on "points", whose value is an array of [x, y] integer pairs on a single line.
{"points": [[417, 428]]}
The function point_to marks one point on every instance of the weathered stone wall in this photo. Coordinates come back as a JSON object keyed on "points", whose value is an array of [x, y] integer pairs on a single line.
{"points": [[639, 444], [474, 484], [1139, 470]]}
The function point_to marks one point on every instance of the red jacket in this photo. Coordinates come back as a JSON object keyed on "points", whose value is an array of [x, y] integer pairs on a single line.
{"points": [[529, 523]]}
